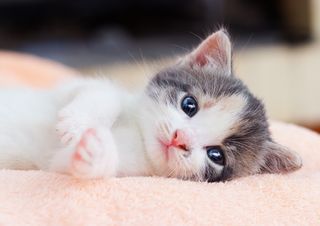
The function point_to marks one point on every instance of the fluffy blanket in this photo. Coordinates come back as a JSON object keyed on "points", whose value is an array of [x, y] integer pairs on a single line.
{"points": [[41, 198], [22, 69]]}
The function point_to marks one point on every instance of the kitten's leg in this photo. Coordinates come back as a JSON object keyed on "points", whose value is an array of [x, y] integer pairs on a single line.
{"points": [[93, 156], [89, 153], [96, 105]]}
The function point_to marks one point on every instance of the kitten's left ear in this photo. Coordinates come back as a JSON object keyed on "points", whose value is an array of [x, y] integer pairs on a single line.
{"points": [[279, 159], [214, 52]]}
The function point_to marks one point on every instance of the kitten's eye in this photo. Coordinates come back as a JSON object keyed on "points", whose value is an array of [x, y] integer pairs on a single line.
{"points": [[216, 155], [189, 105]]}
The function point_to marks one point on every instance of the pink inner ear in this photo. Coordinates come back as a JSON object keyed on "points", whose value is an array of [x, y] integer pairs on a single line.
{"points": [[201, 60], [214, 51], [209, 48]]}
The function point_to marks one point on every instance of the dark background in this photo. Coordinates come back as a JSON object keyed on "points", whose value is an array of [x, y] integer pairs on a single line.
{"points": [[84, 33]]}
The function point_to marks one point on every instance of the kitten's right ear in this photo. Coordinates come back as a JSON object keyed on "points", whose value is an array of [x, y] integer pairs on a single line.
{"points": [[213, 53], [279, 159]]}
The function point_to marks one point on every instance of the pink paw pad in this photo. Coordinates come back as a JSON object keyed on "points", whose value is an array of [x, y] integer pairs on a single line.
{"points": [[83, 152], [92, 156]]}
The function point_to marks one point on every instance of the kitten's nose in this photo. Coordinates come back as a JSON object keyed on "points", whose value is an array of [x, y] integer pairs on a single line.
{"points": [[179, 140]]}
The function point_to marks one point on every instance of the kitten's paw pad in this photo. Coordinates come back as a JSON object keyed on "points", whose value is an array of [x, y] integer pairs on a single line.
{"points": [[87, 152], [90, 157], [83, 153]]}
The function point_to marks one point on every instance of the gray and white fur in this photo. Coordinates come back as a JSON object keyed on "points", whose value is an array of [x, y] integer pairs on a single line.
{"points": [[195, 120]]}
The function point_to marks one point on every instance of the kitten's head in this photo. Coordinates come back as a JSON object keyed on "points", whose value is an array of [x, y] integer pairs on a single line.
{"points": [[199, 122]]}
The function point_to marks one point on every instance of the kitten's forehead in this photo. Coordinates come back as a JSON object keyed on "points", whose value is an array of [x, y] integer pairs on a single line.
{"points": [[201, 82]]}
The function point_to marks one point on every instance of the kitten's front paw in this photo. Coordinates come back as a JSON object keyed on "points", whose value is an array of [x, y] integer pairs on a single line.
{"points": [[95, 155], [70, 126]]}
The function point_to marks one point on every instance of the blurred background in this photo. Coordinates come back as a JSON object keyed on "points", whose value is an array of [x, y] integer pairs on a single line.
{"points": [[276, 42]]}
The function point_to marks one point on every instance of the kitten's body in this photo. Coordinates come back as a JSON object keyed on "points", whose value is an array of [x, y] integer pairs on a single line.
{"points": [[30, 120], [194, 120]]}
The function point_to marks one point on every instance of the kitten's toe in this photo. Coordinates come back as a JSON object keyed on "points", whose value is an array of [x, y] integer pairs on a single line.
{"points": [[70, 126], [93, 156], [66, 129], [66, 138]]}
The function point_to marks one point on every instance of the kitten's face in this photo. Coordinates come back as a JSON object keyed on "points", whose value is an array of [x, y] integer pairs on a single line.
{"points": [[201, 123]]}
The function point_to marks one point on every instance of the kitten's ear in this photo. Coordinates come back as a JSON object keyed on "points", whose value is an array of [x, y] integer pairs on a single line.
{"points": [[214, 52], [279, 159]]}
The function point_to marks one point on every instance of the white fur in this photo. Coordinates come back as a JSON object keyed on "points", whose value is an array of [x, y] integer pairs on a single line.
{"points": [[42, 129]]}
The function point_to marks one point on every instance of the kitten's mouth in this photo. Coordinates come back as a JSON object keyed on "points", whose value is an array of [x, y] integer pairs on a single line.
{"points": [[166, 146]]}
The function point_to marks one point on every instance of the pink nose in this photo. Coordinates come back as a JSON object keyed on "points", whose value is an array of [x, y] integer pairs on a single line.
{"points": [[180, 139]]}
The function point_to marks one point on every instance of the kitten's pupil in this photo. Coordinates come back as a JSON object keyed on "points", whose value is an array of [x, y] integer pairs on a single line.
{"points": [[216, 155], [189, 105]]}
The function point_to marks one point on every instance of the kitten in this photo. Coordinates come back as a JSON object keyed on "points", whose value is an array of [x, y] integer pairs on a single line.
{"points": [[194, 120]]}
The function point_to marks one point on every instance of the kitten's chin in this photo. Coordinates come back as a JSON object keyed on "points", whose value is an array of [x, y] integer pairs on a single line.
{"points": [[159, 158], [164, 162]]}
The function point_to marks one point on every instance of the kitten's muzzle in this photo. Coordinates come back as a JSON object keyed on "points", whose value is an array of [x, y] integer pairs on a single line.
{"points": [[179, 140]]}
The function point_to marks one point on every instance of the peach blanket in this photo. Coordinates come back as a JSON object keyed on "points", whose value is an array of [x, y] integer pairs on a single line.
{"points": [[41, 198]]}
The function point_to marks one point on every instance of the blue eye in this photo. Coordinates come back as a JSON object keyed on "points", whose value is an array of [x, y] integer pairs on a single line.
{"points": [[189, 105], [216, 155]]}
